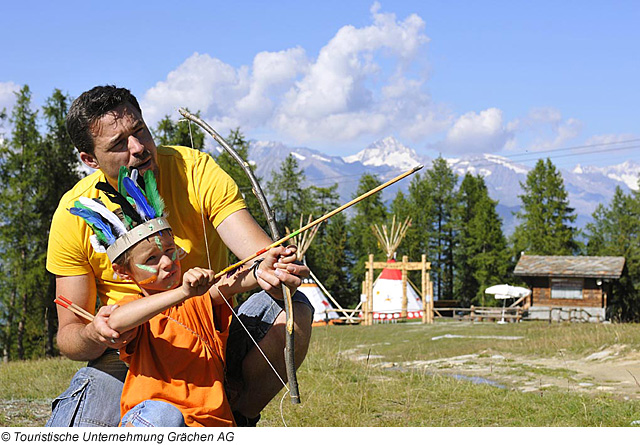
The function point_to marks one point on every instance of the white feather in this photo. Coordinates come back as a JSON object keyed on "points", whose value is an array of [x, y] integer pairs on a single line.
{"points": [[96, 244], [105, 213], [134, 175]]}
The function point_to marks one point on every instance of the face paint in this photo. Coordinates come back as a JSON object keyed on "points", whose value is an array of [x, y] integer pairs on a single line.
{"points": [[149, 280], [174, 255], [144, 267], [158, 243]]}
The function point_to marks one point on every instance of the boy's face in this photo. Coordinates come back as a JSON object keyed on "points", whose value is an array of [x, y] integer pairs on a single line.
{"points": [[154, 264]]}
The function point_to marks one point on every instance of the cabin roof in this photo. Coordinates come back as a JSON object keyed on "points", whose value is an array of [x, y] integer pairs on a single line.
{"points": [[570, 266]]}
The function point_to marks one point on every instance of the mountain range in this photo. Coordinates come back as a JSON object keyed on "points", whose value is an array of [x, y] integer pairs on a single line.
{"points": [[587, 186]]}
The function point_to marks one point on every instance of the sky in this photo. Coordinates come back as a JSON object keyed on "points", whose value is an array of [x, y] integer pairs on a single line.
{"points": [[519, 79]]}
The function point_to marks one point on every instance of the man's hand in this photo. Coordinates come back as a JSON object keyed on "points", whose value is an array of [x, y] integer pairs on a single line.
{"points": [[278, 268], [100, 332]]}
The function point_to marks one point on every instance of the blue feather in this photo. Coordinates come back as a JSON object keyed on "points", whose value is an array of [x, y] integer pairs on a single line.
{"points": [[95, 221], [141, 202]]}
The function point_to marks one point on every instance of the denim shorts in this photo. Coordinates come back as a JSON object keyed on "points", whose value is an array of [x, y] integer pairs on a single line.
{"points": [[258, 314], [93, 396]]}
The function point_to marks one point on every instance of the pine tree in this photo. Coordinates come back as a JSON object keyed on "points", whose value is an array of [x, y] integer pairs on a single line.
{"points": [[432, 203], [59, 172], [332, 262], [481, 255], [615, 231], [20, 232], [237, 141], [288, 198], [182, 132], [324, 199], [546, 217]]}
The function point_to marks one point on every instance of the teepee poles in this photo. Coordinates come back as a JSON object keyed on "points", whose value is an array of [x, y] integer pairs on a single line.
{"points": [[390, 240]]}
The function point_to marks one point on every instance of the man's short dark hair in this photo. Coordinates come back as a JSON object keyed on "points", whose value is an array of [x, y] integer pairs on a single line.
{"points": [[89, 108]]}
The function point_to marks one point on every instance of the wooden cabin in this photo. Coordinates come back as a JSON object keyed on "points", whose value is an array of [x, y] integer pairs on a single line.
{"points": [[570, 288]]}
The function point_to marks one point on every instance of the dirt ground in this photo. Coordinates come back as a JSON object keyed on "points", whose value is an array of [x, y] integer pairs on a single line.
{"points": [[615, 370], [24, 412]]}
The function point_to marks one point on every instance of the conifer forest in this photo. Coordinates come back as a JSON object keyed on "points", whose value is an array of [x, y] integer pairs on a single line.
{"points": [[453, 221]]}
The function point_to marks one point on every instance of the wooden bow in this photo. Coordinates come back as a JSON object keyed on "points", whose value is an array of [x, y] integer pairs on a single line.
{"points": [[275, 235]]}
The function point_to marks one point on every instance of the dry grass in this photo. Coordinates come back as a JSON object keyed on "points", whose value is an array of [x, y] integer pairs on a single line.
{"points": [[344, 381]]}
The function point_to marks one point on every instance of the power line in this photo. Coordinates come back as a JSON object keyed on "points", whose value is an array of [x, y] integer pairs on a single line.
{"points": [[577, 147], [567, 155]]}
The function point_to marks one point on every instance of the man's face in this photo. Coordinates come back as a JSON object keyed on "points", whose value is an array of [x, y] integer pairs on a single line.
{"points": [[121, 137]]}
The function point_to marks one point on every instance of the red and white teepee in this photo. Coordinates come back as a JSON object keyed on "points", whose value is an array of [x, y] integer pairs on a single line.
{"points": [[387, 296], [387, 288]]}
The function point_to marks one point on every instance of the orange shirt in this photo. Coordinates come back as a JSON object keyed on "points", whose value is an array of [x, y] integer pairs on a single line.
{"points": [[178, 357]]}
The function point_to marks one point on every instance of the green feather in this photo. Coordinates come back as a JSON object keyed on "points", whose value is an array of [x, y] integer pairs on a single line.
{"points": [[80, 206], [153, 196], [103, 240], [124, 171]]}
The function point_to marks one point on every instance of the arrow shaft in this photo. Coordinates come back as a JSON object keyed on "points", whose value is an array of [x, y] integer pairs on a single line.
{"points": [[319, 220]]}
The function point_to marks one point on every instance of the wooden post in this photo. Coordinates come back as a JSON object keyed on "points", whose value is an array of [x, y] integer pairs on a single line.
{"points": [[370, 290], [365, 304], [403, 313], [423, 288]]}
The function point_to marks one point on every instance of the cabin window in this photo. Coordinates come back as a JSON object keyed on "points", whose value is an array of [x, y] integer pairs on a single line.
{"points": [[567, 288]]}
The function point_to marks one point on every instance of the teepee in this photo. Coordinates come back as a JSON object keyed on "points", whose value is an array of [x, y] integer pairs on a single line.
{"points": [[317, 294], [388, 293]]}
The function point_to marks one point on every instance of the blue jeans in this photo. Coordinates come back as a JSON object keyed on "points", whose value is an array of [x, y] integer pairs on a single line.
{"points": [[93, 396], [151, 413], [92, 399]]}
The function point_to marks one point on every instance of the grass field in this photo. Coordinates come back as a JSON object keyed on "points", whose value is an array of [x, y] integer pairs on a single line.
{"points": [[529, 374]]}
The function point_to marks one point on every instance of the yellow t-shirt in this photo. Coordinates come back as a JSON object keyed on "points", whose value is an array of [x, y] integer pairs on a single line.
{"points": [[187, 178]]}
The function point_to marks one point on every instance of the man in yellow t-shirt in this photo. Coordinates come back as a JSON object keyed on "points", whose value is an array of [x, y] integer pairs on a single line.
{"points": [[106, 126]]}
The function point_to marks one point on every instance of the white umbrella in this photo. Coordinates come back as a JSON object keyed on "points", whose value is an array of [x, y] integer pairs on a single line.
{"points": [[505, 291]]}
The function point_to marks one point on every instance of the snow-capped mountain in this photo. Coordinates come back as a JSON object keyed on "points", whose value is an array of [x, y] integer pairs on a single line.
{"points": [[387, 152], [324, 171], [627, 172], [587, 186]]}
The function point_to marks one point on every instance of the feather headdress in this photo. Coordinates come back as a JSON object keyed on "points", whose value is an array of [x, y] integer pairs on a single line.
{"points": [[141, 212]]}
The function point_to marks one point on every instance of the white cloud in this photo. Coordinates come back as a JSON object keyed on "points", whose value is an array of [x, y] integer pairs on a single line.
{"points": [[7, 96], [201, 83], [544, 129], [349, 90], [366, 83], [358, 86], [7, 100], [611, 139], [483, 132]]}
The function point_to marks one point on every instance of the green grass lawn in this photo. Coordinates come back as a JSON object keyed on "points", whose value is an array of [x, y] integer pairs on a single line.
{"points": [[343, 384]]}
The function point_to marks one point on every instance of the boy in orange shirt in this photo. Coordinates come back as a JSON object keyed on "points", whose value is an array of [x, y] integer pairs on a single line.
{"points": [[177, 357]]}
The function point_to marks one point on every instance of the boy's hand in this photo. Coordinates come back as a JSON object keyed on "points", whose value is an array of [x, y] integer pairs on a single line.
{"points": [[277, 269], [197, 281]]}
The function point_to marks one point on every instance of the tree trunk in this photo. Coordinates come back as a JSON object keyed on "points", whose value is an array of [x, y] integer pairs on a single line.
{"points": [[50, 318], [22, 324], [6, 349]]}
